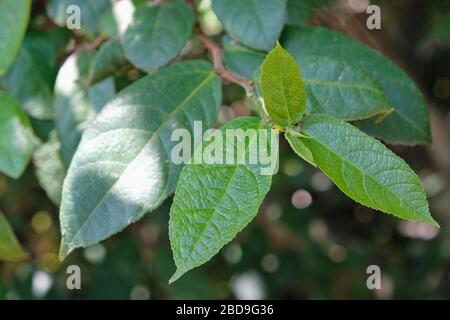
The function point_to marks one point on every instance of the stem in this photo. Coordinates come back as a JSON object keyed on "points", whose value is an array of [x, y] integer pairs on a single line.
{"points": [[216, 53]]}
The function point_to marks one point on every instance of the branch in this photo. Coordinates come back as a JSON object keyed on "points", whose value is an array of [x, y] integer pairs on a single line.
{"points": [[216, 53]]}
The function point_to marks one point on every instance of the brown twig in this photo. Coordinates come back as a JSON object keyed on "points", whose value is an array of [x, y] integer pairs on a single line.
{"points": [[216, 53]]}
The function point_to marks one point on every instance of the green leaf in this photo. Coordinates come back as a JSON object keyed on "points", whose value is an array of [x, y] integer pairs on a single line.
{"points": [[255, 23], [30, 86], [90, 11], [49, 168], [282, 87], [213, 202], [342, 89], [158, 33], [122, 167], [299, 147], [10, 249], [409, 123], [240, 59], [364, 169], [108, 61], [75, 105], [300, 11], [16, 137], [14, 15]]}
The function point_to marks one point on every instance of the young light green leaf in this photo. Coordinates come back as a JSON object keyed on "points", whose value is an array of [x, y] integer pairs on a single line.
{"points": [[49, 168], [90, 12], [257, 24], [158, 33], [364, 169], [282, 87], [10, 249], [122, 167], [213, 202], [16, 137], [30, 87], [73, 103], [108, 61], [409, 123], [240, 59], [342, 89], [299, 148], [14, 15]]}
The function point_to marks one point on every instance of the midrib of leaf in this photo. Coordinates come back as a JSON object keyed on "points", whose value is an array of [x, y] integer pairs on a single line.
{"points": [[155, 134], [364, 175]]}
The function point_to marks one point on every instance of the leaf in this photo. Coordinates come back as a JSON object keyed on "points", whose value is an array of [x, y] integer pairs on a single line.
{"points": [[299, 148], [213, 202], [122, 167], [10, 249], [49, 168], [300, 11], [157, 34], [14, 15], [16, 137], [255, 23], [30, 86], [282, 87], [108, 61], [342, 90], [73, 103], [240, 59], [409, 123], [364, 169], [90, 12]]}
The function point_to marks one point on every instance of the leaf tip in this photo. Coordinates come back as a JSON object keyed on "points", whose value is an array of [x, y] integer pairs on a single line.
{"points": [[64, 250], [177, 275]]}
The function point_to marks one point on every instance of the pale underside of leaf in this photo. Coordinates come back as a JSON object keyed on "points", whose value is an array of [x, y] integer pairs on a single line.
{"points": [[122, 168]]}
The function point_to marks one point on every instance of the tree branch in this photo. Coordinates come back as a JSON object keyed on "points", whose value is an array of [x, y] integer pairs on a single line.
{"points": [[216, 54]]}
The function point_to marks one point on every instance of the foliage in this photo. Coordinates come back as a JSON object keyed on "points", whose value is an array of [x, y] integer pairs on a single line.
{"points": [[103, 113]]}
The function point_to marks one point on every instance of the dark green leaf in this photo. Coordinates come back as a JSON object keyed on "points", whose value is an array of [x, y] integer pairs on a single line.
{"points": [[16, 137], [158, 33], [122, 168], [240, 59], [342, 89], [213, 202], [10, 249], [409, 123], [255, 23], [364, 169], [300, 11], [299, 147], [31, 87], [282, 87], [90, 11], [14, 15], [75, 105]]}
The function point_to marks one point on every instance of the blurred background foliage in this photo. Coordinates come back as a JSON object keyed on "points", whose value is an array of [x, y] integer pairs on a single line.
{"points": [[308, 241]]}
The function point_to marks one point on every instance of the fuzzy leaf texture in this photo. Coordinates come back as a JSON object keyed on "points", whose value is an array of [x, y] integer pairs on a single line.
{"points": [[364, 169], [213, 202], [282, 87], [122, 167]]}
